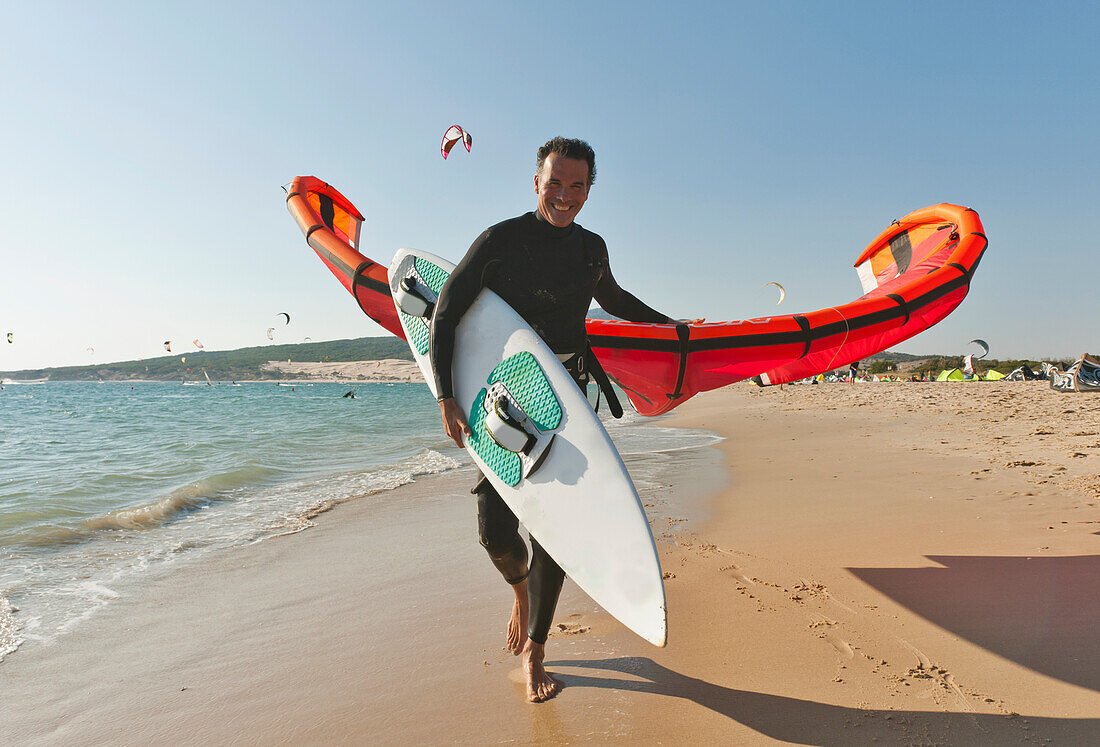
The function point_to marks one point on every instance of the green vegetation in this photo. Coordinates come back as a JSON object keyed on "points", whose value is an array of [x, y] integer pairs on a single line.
{"points": [[225, 365], [906, 365]]}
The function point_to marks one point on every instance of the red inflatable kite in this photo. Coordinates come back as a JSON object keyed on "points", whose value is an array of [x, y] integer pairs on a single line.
{"points": [[914, 274]]}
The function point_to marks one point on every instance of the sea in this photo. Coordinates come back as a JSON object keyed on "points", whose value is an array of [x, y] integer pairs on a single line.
{"points": [[105, 483]]}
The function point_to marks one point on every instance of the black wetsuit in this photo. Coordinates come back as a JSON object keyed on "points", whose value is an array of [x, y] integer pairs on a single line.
{"points": [[549, 275]]}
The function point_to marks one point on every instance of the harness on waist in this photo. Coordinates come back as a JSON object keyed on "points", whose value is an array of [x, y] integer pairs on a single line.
{"points": [[584, 366]]}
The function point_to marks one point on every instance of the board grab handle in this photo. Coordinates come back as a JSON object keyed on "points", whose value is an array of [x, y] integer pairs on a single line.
{"points": [[507, 431], [411, 300]]}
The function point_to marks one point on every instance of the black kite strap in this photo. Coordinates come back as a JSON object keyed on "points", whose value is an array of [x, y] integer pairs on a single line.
{"points": [[683, 333], [592, 365]]}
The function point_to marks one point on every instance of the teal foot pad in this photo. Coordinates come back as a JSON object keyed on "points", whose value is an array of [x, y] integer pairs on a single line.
{"points": [[433, 275], [527, 384], [505, 464], [419, 331]]}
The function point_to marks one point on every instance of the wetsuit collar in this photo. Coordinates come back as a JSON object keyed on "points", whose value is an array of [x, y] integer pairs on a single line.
{"points": [[550, 229]]}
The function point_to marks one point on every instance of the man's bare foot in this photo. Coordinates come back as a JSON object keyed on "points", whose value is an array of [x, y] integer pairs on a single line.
{"points": [[540, 685], [517, 625]]}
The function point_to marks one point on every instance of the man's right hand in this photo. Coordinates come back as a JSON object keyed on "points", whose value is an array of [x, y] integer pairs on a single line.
{"points": [[454, 422]]}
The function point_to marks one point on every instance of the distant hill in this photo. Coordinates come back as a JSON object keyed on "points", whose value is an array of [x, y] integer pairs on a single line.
{"points": [[224, 365], [246, 363]]}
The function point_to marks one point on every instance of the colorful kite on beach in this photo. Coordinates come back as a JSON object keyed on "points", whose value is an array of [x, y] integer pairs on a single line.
{"points": [[453, 135], [913, 274]]}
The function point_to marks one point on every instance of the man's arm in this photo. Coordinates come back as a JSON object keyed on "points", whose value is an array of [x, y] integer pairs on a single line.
{"points": [[614, 300], [456, 296]]}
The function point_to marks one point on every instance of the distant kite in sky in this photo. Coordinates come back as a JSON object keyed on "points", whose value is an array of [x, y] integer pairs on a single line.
{"points": [[271, 333], [10, 336], [168, 345], [453, 135], [984, 345], [782, 291], [197, 344], [283, 313]]}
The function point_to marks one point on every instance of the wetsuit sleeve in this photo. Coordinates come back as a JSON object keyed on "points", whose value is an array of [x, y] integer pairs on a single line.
{"points": [[458, 293], [616, 301]]}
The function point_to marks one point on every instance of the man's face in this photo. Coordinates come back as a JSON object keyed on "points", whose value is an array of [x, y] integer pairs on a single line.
{"points": [[562, 187]]}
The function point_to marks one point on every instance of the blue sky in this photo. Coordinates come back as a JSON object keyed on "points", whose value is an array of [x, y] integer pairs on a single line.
{"points": [[737, 143]]}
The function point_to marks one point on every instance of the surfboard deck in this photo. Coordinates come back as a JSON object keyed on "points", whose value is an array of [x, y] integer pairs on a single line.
{"points": [[571, 491]]}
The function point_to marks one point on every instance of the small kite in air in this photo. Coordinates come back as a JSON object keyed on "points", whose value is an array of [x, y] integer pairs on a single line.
{"points": [[283, 313], [782, 291], [168, 345], [271, 333], [453, 135], [198, 344], [10, 340]]}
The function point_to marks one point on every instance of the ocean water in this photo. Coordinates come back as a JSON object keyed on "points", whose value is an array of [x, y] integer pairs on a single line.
{"points": [[102, 482]]}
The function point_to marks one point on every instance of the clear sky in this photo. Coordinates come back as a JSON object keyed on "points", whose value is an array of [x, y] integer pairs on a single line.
{"points": [[144, 145]]}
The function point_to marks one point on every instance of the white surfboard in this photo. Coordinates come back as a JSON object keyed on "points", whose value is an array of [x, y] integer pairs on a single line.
{"points": [[541, 446]]}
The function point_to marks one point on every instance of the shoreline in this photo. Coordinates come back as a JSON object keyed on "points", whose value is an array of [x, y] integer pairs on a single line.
{"points": [[382, 371], [876, 564]]}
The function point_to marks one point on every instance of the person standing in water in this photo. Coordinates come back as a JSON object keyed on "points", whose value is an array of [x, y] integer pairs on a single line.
{"points": [[549, 269]]}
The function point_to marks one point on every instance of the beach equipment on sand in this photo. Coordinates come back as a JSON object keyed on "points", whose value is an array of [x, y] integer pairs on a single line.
{"points": [[536, 439], [1082, 376], [954, 374], [913, 274], [1022, 373], [993, 375]]}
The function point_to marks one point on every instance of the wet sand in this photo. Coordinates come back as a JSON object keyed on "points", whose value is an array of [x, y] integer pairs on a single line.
{"points": [[900, 563]]}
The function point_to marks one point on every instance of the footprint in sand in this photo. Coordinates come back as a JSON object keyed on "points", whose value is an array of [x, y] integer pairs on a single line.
{"points": [[842, 647], [734, 571], [572, 628]]}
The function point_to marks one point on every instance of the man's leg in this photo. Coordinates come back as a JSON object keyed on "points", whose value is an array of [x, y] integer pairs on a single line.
{"points": [[498, 530], [544, 587]]}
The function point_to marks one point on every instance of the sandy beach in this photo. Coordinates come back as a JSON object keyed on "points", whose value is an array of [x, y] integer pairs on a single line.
{"points": [[891, 563]]}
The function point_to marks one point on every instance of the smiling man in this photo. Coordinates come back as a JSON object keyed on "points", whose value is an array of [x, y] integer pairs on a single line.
{"points": [[549, 269]]}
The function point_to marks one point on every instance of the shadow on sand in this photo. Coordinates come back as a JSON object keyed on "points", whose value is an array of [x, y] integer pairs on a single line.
{"points": [[1040, 612], [808, 722]]}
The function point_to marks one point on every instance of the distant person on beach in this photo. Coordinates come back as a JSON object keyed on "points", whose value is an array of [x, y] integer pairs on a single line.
{"points": [[549, 269], [853, 372]]}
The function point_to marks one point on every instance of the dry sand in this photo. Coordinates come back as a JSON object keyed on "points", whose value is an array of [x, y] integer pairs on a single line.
{"points": [[893, 563]]}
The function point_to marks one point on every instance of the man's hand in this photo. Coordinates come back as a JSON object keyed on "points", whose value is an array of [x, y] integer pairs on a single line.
{"points": [[454, 422]]}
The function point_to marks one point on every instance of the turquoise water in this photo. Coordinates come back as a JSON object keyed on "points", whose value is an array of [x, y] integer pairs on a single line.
{"points": [[100, 482]]}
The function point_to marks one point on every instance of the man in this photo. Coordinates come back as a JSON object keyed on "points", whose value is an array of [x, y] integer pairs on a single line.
{"points": [[548, 269]]}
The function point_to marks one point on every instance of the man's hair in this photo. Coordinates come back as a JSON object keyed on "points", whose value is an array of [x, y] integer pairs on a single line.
{"points": [[569, 148]]}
